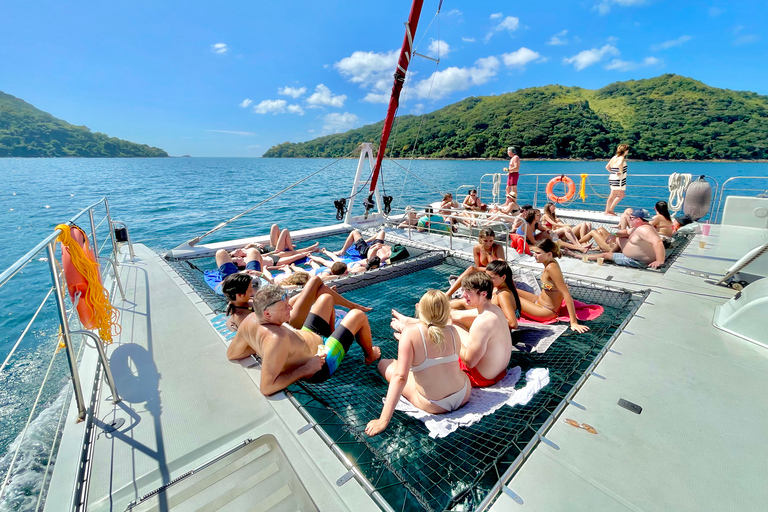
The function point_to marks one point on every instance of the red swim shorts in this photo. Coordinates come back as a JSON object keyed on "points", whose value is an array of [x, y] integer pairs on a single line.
{"points": [[476, 379], [512, 179]]}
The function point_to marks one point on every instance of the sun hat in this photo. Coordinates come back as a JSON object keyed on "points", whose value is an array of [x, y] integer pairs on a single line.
{"points": [[640, 213], [512, 194]]}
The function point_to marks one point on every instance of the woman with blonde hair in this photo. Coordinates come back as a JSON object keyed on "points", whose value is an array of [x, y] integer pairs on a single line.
{"points": [[436, 383], [617, 166]]}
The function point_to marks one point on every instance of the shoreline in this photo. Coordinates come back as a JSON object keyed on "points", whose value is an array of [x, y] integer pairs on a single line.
{"points": [[630, 160]]}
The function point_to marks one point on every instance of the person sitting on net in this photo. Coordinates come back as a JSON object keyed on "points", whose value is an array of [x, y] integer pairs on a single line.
{"points": [[426, 370], [487, 344], [554, 290], [504, 295], [287, 355], [486, 251]]}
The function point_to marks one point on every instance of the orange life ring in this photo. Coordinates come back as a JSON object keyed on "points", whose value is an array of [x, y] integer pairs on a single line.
{"points": [[568, 195], [76, 282]]}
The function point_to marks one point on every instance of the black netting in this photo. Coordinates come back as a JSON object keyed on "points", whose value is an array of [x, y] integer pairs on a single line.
{"points": [[413, 471]]}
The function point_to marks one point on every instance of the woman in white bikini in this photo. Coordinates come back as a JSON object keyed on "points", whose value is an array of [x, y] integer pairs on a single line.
{"points": [[617, 166], [436, 384]]}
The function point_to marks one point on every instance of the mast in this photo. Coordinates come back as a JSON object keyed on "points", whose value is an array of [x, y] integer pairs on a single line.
{"points": [[402, 66]]}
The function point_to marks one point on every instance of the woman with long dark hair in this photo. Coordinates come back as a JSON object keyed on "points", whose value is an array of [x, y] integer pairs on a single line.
{"points": [[554, 291], [662, 221], [504, 295]]}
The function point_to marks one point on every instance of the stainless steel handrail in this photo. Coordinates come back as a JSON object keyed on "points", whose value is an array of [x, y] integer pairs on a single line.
{"points": [[719, 210]]}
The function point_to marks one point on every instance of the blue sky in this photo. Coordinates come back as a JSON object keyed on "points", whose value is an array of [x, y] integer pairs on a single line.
{"points": [[235, 78]]}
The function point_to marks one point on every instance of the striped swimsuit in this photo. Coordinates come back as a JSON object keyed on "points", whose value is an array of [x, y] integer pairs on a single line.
{"points": [[618, 178]]}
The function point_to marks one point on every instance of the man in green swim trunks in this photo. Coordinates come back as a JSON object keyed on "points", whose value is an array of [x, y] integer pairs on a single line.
{"points": [[288, 355]]}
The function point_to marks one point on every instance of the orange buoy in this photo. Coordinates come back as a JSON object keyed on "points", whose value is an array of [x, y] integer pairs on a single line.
{"points": [[568, 195], [76, 280]]}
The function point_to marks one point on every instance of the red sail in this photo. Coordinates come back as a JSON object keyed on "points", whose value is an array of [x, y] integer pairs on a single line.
{"points": [[394, 101]]}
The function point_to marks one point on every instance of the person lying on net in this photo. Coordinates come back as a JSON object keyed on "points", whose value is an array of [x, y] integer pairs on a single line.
{"points": [[486, 251], [487, 344], [504, 295], [426, 370], [287, 355], [280, 242], [638, 246], [356, 246]]}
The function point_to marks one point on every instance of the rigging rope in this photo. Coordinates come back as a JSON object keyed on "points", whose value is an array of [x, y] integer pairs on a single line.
{"points": [[678, 183], [197, 240]]}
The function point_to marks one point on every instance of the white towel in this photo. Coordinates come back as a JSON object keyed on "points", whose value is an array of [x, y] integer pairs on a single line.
{"points": [[482, 402]]}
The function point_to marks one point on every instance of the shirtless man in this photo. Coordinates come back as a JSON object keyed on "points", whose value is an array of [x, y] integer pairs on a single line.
{"points": [[288, 355], [639, 246], [487, 345], [357, 247], [486, 251], [513, 170]]}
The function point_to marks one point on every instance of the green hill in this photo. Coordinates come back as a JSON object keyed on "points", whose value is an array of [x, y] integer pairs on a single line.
{"points": [[28, 132], [667, 117]]}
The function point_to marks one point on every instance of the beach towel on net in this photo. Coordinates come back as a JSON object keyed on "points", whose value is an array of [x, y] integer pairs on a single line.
{"points": [[482, 402], [584, 312]]}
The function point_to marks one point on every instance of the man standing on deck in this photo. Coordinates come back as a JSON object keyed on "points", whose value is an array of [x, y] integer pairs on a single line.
{"points": [[487, 346], [513, 170], [288, 355], [639, 246]]}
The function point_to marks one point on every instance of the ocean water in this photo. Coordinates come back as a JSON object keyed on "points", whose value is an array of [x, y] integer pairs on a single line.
{"points": [[167, 201]]}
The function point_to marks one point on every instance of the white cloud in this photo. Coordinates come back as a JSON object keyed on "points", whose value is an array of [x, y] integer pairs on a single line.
{"points": [[417, 109], [246, 103], [587, 58], [271, 106], [335, 122], [322, 97], [219, 48], [519, 58], [293, 92], [277, 107], [232, 132], [295, 109], [509, 23], [468, 39], [604, 7], [671, 43], [442, 83], [453, 12], [376, 97], [496, 15], [438, 48], [366, 68], [624, 65], [558, 39]]}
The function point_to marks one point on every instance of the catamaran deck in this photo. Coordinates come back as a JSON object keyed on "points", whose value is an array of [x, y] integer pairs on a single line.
{"points": [[699, 443]]}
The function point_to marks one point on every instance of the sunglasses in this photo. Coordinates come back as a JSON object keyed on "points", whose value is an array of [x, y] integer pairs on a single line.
{"points": [[284, 297]]}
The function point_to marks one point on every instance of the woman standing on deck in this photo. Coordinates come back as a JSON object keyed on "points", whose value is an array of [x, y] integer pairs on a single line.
{"points": [[436, 384], [617, 166], [554, 291]]}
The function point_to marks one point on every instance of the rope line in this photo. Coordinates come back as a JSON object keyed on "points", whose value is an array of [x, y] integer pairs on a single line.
{"points": [[197, 240]]}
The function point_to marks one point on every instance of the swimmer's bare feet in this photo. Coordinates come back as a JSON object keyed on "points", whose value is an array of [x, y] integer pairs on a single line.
{"points": [[364, 309], [376, 354], [610, 213], [396, 335], [396, 326], [569, 252], [311, 248]]}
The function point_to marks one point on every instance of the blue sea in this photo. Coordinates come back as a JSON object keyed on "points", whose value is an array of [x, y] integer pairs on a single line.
{"points": [[168, 201]]}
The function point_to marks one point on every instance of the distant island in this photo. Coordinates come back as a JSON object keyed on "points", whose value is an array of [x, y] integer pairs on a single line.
{"points": [[26, 131], [669, 117]]}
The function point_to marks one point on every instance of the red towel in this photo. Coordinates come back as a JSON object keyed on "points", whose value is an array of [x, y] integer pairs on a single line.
{"points": [[517, 242], [583, 312]]}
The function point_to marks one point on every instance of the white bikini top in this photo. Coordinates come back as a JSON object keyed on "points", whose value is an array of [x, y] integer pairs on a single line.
{"points": [[429, 362]]}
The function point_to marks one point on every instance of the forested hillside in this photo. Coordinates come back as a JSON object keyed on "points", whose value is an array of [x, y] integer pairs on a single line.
{"points": [[28, 132], [667, 117]]}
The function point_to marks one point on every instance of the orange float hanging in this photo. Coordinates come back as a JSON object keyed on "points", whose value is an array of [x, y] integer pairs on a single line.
{"points": [[81, 272], [568, 195]]}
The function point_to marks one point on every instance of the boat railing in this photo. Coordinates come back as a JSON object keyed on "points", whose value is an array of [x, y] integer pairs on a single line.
{"points": [[740, 185], [642, 192], [47, 250], [501, 228]]}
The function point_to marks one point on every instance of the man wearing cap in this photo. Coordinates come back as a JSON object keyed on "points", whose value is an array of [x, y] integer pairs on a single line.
{"points": [[640, 245], [513, 170], [287, 355]]}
